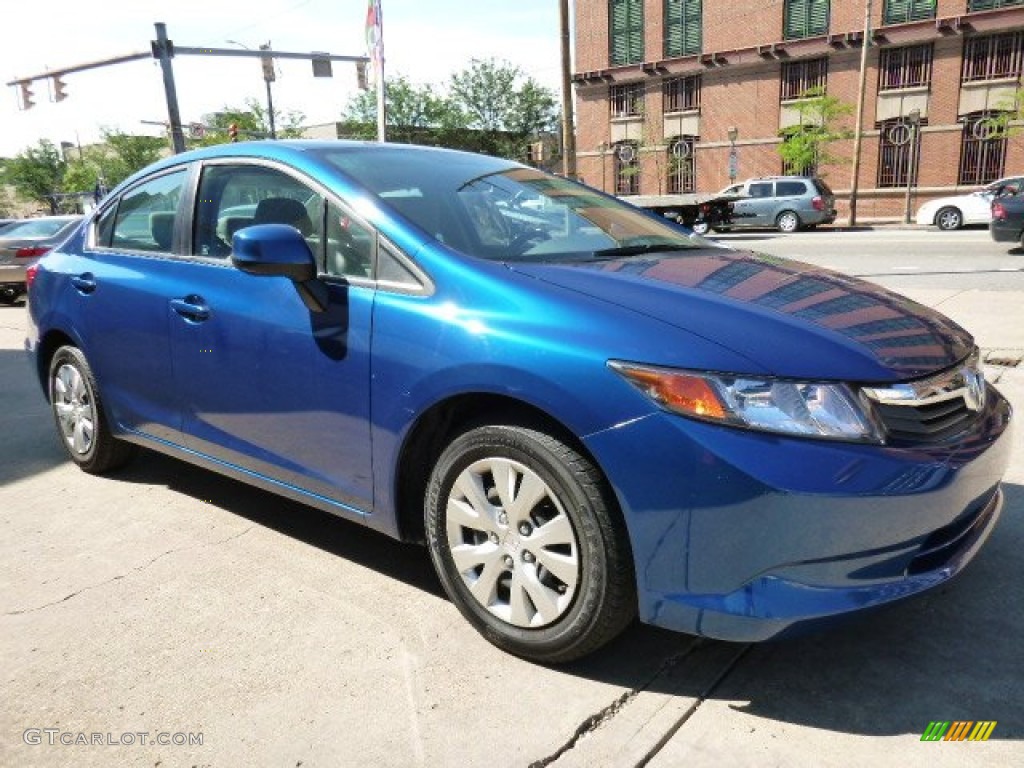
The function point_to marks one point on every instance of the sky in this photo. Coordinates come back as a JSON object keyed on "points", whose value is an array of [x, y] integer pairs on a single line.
{"points": [[424, 40]]}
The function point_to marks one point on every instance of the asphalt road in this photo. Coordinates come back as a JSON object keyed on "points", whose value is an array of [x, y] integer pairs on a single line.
{"points": [[165, 599]]}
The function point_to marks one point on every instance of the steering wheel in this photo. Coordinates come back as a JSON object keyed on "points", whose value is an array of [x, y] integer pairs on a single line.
{"points": [[521, 243]]}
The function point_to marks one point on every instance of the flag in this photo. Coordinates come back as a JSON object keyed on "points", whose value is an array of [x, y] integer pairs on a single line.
{"points": [[374, 37]]}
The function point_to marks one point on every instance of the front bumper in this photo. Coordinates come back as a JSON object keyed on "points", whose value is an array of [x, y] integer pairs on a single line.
{"points": [[741, 535]]}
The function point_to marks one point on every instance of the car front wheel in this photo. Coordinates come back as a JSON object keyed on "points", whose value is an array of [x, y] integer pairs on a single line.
{"points": [[528, 543], [78, 412], [949, 218], [700, 227]]}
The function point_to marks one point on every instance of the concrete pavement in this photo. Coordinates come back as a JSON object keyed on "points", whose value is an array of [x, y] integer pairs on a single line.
{"points": [[165, 599]]}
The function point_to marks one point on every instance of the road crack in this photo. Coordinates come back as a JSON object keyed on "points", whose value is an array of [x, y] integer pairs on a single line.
{"points": [[594, 721], [136, 569]]}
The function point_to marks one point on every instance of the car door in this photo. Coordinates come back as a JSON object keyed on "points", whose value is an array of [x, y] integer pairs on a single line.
{"points": [[121, 285], [756, 210], [269, 385]]}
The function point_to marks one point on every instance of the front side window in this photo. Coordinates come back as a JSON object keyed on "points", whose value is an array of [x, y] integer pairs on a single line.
{"points": [[901, 11], [681, 170], [626, 31], [993, 57], [145, 217], [232, 197], [805, 18], [683, 33], [799, 78], [982, 149], [905, 67], [626, 100]]}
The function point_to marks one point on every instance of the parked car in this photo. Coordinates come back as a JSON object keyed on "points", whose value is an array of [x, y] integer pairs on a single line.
{"points": [[955, 211], [787, 203], [587, 415], [1007, 224], [24, 241]]}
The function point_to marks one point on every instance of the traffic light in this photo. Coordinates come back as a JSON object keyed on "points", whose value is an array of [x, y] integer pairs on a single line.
{"points": [[27, 102], [59, 89], [233, 132]]}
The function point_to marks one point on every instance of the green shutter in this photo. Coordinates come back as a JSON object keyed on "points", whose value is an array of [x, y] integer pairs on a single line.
{"points": [[627, 32], [805, 18], [683, 28], [900, 11], [987, 5]]}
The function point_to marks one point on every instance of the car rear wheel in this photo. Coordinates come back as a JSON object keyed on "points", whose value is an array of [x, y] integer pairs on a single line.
{"points": [[528, 543], [949, 218], [78, 412], [787, 221], [9, 294], [700, 227]]}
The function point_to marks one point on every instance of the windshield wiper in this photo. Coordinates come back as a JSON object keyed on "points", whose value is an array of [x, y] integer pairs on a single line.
{"points": [[635, 250]]}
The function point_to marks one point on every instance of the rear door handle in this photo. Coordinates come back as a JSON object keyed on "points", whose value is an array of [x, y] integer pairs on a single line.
{"points": [[192, 308], [84, 283]]}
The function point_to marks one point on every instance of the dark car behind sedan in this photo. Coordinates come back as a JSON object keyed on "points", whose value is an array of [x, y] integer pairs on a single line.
{"points": [[1007, 224], [22, 243]]}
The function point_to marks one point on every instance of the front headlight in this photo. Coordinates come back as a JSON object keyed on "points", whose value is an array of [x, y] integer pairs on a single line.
{"points": [[815, 409]]}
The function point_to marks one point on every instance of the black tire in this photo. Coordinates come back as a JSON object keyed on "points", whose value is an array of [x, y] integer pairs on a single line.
{"points": [[9, 294], [787, 221], [78, 414], [600, 602], [949, 218]]}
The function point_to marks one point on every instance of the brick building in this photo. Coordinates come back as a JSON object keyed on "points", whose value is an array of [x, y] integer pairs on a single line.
{"points": [[667, 90]]}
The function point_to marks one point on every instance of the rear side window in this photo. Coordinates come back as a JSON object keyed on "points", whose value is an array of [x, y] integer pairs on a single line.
{"points": [[144, 218], [790, 188]]}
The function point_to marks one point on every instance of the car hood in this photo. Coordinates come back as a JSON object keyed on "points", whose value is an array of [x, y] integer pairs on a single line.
{"points": [[789, 318]]}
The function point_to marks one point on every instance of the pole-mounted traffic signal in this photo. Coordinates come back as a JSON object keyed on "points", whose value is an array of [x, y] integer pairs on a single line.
{"points": [[233, 132], [59, 89], [27, 100]]}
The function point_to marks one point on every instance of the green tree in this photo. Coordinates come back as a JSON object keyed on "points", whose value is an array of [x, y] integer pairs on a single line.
{"points": [[36, 173], [805, 145], [251, 120], [414, 113]]}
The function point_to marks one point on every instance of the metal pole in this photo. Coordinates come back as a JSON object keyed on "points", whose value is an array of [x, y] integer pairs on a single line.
{"points": [[162, 51], [379, 74], [568, 120], [915, 127], [268, 78], [858, 131]]}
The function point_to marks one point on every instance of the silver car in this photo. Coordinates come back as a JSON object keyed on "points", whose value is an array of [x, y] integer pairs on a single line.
{"points": [[786, 203], [22, 243]]}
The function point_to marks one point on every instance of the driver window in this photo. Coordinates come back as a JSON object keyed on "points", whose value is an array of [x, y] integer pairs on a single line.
{"points": [[233, 197]]}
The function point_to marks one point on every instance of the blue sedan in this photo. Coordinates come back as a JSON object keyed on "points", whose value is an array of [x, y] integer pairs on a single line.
{"points": [[587, 413]]}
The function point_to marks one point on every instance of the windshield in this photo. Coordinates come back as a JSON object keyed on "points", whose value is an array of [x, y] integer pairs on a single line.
{"points": [[491, 209]]}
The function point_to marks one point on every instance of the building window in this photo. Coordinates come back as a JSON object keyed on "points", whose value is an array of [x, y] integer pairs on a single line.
{"points": [[988, 5], [681, 94], [681, 171], [683, 35], [896, 144], [626, 100], [805, 18], [982, 149], [799, 77], [993, 56], [627, 168], [627, 31], [901, 11], [905, 67], [810, 168]]}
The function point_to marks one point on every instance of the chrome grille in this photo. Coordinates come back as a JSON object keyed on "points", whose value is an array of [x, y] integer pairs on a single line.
{"points": [[930, 409]]}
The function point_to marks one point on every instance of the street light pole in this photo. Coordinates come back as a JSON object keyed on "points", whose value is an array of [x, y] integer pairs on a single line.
{"points": [[858, 130], [914, 119]]}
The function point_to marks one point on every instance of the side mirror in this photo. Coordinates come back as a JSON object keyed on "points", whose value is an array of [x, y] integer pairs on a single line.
{"points": [[278, 250]]}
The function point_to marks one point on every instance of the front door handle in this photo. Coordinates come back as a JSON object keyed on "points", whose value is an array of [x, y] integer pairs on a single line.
{"points": [[192, 308], [84, 283]]}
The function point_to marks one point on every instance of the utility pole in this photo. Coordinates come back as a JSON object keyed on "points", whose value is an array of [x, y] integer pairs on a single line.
{"points": [[858, 130], [268, 78], [162, 51], [568, 121]]}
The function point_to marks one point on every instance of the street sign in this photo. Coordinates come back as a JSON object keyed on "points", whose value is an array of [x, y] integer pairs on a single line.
{"points": [[196, 130], [734, 164]]}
